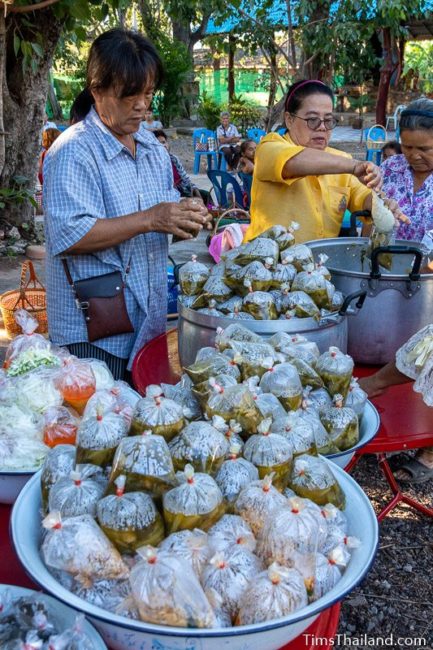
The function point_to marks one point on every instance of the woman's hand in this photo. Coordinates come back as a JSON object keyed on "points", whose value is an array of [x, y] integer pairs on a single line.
{"points": [[396, 211], [184, 219], [369, 174]]}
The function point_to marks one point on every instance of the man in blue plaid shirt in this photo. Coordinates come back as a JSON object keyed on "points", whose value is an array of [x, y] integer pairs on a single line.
{"points": [[110, 204]]}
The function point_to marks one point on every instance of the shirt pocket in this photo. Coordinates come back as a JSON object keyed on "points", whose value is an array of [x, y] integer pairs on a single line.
{"points": [[338, 200]]}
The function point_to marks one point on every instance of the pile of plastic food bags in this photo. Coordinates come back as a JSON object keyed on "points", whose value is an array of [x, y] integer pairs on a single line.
{"points": [[43, 392], [267, 278], [29, 623], [206, 504]]}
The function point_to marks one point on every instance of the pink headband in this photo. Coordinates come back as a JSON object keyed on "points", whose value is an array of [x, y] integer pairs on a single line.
{"points": [[304, 83]]}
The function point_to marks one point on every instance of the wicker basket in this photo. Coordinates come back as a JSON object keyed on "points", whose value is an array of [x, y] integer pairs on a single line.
{"points": [[31, 298], [376, 145]]}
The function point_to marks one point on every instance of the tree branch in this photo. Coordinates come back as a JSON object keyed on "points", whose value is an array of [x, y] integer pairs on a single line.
{"points": [[198, 34], [12, 9]]}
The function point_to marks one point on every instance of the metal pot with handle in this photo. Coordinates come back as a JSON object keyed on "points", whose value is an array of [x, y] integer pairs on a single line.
{"points": [[399, 302]]}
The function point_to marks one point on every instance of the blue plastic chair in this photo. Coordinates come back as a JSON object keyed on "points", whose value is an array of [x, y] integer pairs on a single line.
{"points": [[247, 183], [375, 140], [282, 130], [220, 181], [212, 156], [255, 134]]}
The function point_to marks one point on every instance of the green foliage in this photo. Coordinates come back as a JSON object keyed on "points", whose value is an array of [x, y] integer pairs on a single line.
{"points": [[244, 113], [359, 103], [17, 193], [419, 56], [209, 111], [177, 65]]}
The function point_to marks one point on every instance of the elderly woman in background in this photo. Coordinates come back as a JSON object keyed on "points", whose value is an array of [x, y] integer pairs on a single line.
{"points": [[408, 177], [109, 206]]}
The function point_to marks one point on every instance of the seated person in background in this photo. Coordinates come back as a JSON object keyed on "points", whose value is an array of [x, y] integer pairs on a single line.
{"points": [[391, 148], [48, 124], [150, 123], [228, 140], [48, 137], [246, 162], [182, 181]]}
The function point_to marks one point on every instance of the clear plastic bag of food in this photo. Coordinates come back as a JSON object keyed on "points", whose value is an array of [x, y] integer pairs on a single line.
{"points": [[307, 374], [257, 249], [211, 366], [107, 594], [269, 405], [203, 391], [383, 231], [230, 306], [76, 382], [60, 427], [298, 431], [356, 397], [59, 463], [270, 453], [318, 400], [214, 289], [111, 400], [77, 494], [187, 301], [98, 437], [193, 276], [324, 444], [146, 464], [38, 347], [336, 369], [130, 519], [231, 430], [229, 532], [327, 574], [259, 304], [253, 358], [21, 454], [167, 592], [274, 593], [200, 445], [341, 423], [211, 309], [283, 275], [313, 479], [181, 393], [158, 414], [196, 502], [258, 273], [222, 617], [37, 390], [258, 500], [283, 382], [20, 420], [103, 377], [234, 403], [78, 546], [283, 236], [229, 574], [191, 545], [299, 255], [235, 332], [301, 304], [234, 474], [320, 267], [337, 301], [314, 284]]}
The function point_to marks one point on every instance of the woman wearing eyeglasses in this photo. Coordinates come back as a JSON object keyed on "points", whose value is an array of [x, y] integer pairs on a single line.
{"points": [[298, 177]]}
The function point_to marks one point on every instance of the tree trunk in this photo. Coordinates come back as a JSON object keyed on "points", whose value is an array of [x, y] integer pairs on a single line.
{"points": [[54, 103], [2, 84], [276, 117], [231, 70], [386, 71], [273, 80], [24, 97]]}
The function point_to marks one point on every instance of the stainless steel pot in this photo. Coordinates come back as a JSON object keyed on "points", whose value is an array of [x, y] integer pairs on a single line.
{"points": [[399, 302], [197, 330]]}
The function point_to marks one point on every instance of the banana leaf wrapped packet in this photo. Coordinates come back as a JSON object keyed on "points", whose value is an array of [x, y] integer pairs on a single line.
{"points": [[258, 273], [98, 438], [193, 276], [356, 397], [336, 369], [196, 502], [258, 500], [301, 304], [78, 493], [224, 337], [283, 381], [229, 574], [270, 453], [191, 545], [234, 474], [130, 519], [230, 531], [216, 364], [313, 479], [167, 592], [201, 445], [259, 304], [283, 275], [211, 310], [58, 463], [156, 413], [315, 285], [275, 593], [299, 255], [298, 431], [214, 289], [146, 464], [234, 403], [257, 249], [341, 422]]}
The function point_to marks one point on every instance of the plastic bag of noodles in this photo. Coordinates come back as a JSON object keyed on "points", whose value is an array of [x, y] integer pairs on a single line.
{"points": [[336, 369], [315, 285], [225, 336], [214, 289], [200, 445], [299, 255], [234, 403], [301, 304], [259, 304], [283, 381], [257, 249], [341, 422], [193, 276], [258, 273], [283, 274], [216, 364], [313, 479]]}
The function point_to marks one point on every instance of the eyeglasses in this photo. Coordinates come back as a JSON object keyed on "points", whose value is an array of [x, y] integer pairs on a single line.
{"points": [[314, 123]]}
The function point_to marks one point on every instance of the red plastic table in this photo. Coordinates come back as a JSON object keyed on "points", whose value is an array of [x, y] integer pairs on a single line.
{"points": [[11, 573]]}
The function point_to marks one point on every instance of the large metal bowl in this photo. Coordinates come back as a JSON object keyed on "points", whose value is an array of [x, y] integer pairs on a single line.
{"points": [[368, 427], [124, 634], [11, 484]]}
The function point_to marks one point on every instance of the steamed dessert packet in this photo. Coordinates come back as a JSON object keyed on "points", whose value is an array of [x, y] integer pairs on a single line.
{"points": [[341, 422], [270, 453], [356, 397], [335, 368], [258, 500], [98, 438], [146, 464], [191, 545], [313, 479], [234, 403], [224, 337], [193, 276], [283, 381], [167, 592], [229, 532], [216, 364], [78, 493], [257, 249], [299, 255], [200, 445], [315, 285], [130, 519], [196, 502], [158, 414], [259, 304], [234, 474]]}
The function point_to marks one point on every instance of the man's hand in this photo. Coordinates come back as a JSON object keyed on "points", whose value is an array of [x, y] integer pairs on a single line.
{"points": [[184, 219], [369, 174]]}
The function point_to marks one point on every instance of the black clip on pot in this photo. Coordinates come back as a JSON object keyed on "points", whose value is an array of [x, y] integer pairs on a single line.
{"points": [[361, 295], [353, 232]]}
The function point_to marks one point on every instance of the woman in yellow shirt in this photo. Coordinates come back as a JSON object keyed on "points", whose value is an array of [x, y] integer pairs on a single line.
{"points": [[297, 177]]}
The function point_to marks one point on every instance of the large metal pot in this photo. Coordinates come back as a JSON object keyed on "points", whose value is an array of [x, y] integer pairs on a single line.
{"points": [[399, 302], [197, 330]]}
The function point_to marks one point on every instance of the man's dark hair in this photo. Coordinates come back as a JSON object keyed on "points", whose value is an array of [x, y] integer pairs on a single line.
{"points": [[80, 107], [300, 90], [159, 133]]}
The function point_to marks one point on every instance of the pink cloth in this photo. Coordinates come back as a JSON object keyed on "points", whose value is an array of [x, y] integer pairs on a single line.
{"points": [[231, 237]]}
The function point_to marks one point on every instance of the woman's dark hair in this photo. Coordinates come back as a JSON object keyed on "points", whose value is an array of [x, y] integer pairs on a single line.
{"points": [[418, 115], [80, 107], [159, 133], [244, 145], [302, 89], [125, 61], [392, 144]]}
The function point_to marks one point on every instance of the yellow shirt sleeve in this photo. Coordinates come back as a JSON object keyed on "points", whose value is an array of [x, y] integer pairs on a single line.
{"points": [[273, 155], [358, 194]]}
